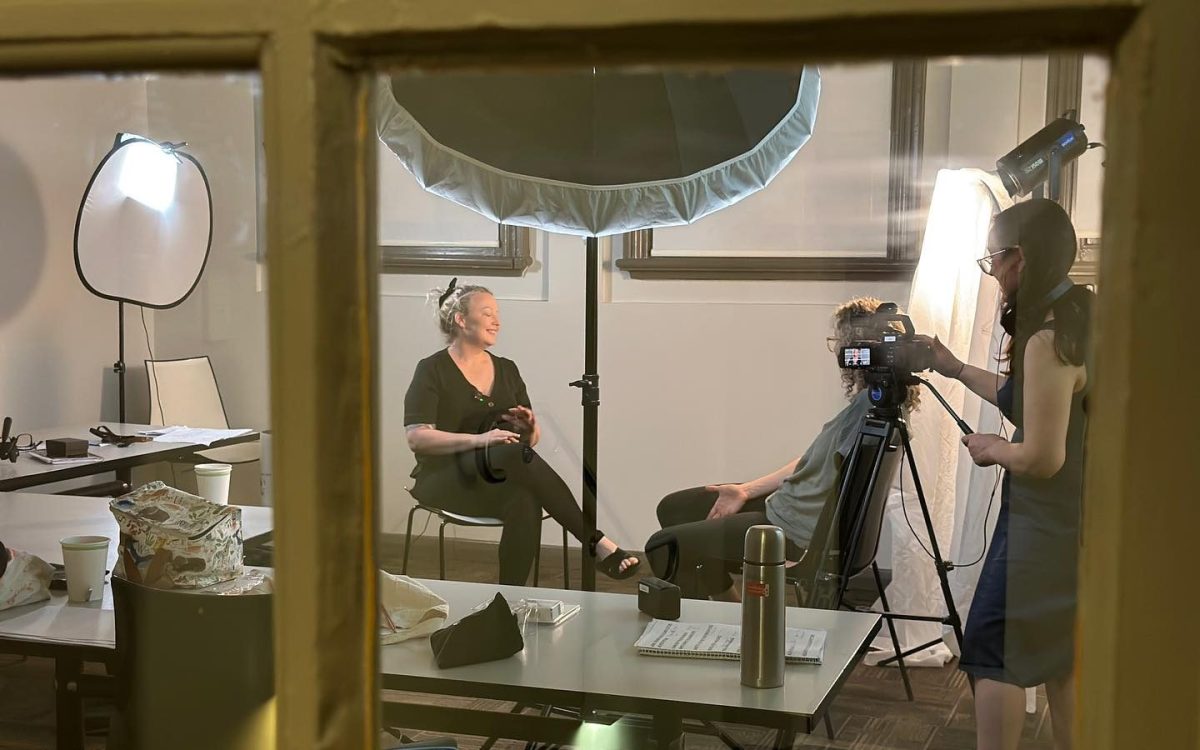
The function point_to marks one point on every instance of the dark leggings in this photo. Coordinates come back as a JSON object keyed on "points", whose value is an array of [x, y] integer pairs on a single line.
{"points": [[518, 501], [708, 551]]}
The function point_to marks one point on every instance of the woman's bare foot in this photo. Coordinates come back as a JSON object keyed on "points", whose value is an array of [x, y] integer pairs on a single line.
{"points": [[606, 547]]}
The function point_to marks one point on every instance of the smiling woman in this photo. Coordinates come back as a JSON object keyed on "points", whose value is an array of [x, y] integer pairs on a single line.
{"points": [[471, 424]]}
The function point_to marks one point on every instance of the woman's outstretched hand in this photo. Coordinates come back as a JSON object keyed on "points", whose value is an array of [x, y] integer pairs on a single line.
{"points": [[730, 499], [521, 418], [496, 437], [944, 361]]}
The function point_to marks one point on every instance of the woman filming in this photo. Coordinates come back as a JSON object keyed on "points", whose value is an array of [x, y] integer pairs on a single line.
{"points": [[472, 427], [1020, 630]]}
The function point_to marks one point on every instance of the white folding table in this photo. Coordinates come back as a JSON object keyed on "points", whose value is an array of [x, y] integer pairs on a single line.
{"points": [[29, 472], [589, 663], [71, 633]]}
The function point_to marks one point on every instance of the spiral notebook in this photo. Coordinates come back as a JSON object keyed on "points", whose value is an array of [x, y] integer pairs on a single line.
{"points": [[689, 640]]}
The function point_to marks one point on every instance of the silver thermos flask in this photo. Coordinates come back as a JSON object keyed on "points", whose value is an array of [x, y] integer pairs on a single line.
{"points": [[763, 600]]}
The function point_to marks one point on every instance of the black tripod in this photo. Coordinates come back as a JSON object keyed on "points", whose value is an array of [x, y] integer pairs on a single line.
{"points": [[848, 533]]}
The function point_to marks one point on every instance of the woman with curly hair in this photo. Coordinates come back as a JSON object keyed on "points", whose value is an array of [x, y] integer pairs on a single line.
{"points": [[706, 526]]}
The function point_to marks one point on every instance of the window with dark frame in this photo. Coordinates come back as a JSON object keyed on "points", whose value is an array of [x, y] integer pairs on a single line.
{"points": [[509, 256], [903, 231]]}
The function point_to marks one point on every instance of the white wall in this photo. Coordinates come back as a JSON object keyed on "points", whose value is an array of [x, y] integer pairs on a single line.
{"points": [[700, 381], [225, 317], [57, 341]]}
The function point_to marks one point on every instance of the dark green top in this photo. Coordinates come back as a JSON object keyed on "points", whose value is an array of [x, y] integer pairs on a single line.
{"points": [[440, 395]]}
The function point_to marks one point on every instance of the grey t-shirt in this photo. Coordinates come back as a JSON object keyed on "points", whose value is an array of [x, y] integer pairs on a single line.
{"points": [[796, 506]]}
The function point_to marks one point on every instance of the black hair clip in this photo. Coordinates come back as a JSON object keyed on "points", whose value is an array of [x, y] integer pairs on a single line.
{"points": [[449, 290]]}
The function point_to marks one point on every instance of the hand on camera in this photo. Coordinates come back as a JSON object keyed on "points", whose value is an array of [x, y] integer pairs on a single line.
{"points": [[944, 361], [983, 448], [730, 499], [496, 437], [521, 418]]}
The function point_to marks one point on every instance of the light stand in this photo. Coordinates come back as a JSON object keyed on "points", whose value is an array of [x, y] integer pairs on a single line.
{"points": [[589, 386], [119, 365]]}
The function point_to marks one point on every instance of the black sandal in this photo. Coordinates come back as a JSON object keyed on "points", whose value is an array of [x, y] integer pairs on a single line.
{"points": [[611, 564]]}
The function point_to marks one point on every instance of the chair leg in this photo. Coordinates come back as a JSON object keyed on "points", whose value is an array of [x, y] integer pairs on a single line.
{"points": [[408, 538], [442, 550], [537, 559], [892, 631], [566, 561]]}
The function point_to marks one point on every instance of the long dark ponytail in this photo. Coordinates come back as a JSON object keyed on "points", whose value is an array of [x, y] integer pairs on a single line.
{"points": [[1043, 231]]}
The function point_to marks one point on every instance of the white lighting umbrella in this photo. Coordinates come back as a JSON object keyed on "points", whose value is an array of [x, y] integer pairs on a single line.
{"points": [[595, 153]]}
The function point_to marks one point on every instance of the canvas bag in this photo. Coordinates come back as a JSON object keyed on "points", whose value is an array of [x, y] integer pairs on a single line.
{"points": [[170, 539]]}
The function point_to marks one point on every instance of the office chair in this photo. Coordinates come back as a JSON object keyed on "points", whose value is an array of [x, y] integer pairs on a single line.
{"points": [[851, 542], [184, 392]]}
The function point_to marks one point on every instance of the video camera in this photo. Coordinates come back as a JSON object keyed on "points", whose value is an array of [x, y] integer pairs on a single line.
{"points": [[884, 346]]}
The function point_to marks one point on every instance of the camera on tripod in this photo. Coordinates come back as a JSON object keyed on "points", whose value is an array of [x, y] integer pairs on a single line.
{"points": [[886, 349]]}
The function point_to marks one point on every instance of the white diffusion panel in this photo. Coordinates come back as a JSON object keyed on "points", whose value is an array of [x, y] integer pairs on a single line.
{"points": [[145, 225]]}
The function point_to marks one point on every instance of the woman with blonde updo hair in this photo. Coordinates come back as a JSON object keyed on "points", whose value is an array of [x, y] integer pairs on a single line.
{"points": [[473, 429], [706, 526]]}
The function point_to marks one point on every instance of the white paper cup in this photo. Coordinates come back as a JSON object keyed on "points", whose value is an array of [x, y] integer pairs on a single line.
{"points": [[212, 482], [84, 558]]}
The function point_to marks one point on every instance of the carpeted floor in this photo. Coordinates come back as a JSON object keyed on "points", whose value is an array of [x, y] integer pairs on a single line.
{"points": [[870, 713]]}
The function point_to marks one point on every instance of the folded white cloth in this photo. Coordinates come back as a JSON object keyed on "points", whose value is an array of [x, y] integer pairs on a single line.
{"points": [[26, 580], [409, 609]]}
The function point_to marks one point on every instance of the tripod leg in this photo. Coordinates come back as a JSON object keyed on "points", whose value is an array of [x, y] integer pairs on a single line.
{"points": [[951, 610], [892, 631]]}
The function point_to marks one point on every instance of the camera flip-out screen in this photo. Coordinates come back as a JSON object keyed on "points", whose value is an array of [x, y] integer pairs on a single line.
{"points": [[856, 356]]}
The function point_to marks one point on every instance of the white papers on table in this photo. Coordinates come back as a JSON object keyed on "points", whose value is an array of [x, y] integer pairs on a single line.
{"points": [[716, 641], [193, 435]]}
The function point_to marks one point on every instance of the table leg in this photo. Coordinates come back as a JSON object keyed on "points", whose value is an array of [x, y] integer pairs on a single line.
{"points": [[668, 730], [68, 708], [785, 739]]}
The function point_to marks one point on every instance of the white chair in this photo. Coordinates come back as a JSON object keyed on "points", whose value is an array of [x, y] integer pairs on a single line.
{"points": [[184, 392]]}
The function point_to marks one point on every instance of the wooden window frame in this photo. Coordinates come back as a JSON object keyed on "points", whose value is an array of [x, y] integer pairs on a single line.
{"points": [[323, 295], [904, 202], [510, 256]]}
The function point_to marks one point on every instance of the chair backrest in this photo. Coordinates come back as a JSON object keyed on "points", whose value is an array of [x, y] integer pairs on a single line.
{"points": [[862, 516], [193, 670], [846, 538], [184, 392]]}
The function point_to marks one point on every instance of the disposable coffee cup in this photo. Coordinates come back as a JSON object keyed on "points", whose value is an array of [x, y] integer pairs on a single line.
{"points": [[84, 558], [212, 482]]}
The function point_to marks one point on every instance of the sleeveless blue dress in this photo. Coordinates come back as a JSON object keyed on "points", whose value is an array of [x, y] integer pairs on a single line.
{"points": [[1021, 625]]}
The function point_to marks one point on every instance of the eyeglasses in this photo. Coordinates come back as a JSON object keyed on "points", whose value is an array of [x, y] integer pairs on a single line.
{"points": [[988, 262]]}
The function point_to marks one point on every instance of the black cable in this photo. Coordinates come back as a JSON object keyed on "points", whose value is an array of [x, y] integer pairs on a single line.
{"points": [[151, 369], [904, 508], [985, 543]]}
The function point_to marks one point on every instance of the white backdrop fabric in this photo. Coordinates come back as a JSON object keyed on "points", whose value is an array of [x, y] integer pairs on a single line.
{"points": [[953, 300]]}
